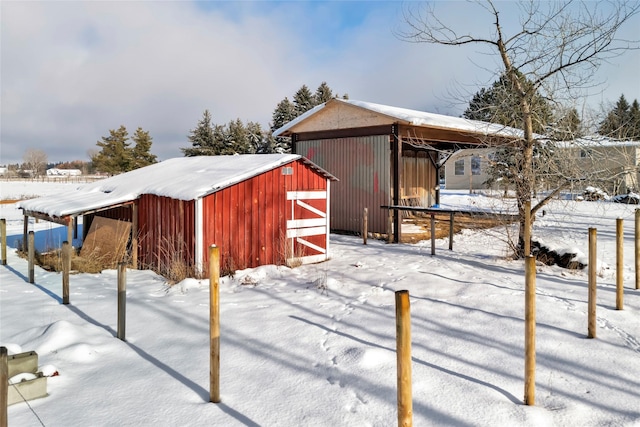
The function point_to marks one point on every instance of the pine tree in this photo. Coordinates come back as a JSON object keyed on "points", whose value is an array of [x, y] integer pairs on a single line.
{"points": [[323, 94], [283, 114], [236, 139], [205, 139], [257, 141], [634, 121], [115, 156], [303, 100], [499, 104], [618, 121], [568, 126], [141, 151]]}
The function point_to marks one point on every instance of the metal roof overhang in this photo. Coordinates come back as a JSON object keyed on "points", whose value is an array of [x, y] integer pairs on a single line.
{"points": [[65, 219]]}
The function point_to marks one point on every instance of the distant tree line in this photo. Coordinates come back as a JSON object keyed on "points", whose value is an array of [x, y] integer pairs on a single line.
{"points": [[236, 137]]}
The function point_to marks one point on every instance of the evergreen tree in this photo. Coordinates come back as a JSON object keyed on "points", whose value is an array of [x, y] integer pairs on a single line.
{"points": [[115, 156], [303, 100], [618, 122], [283, 114], [258, 142], [499, 104], [323, 94], [634, 121], [567, 127], [206, 140], [141, 151], [236, 139]]}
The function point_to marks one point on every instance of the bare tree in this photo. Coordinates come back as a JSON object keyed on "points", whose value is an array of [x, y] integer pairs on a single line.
{"points": [[557, 47], [35, 161]]}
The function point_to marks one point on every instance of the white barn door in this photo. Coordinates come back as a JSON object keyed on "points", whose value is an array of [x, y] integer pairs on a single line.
{"points": [[307, 227]]}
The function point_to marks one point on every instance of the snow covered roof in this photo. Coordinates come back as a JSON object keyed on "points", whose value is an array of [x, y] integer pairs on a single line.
{"points": [[182, 178], [414, 118], [597, 141]]}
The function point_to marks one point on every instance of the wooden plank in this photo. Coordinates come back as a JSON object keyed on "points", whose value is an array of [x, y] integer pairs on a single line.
{"points": [[302, 223], [295, 195]]}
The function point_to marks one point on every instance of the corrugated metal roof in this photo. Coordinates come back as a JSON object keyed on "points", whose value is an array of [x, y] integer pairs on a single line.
{"points": [[182, 178], [414, 118]]}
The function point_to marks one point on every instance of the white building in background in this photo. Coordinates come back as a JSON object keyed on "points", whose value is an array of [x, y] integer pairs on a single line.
{"points": [[63, 172], [466, 169], [609, 164]]}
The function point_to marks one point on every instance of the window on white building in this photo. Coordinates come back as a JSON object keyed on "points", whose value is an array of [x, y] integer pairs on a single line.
{"points": [[475, 165]]}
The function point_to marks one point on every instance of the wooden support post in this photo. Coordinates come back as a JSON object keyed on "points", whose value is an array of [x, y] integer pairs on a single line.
{"points": [[637, 247], [390, 227], [214, 323], [70, 230], [397, 182], [591, 329], [3, 230], [403, 351], [122, 300], [4, 386], [66, 270], [619, 264], [450, 231], [530, 331], [365, 226], [25, 232], [433, 234], [527, 228], [32, 256]]}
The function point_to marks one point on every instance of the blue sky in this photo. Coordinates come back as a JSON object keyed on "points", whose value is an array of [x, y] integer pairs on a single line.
{"points": [[70, 71]]}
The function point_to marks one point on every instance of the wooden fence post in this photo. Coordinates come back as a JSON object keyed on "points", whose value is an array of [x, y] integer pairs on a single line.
{"points": [[365, 226], [122, 299], [619, 264], [591, 327], [403, 351], [451, 214], [637, 247], [25, 233], [3, 230], [214, 323], [66, 270], [433, 233], [530, 331], [32, 256], [4, 386]]}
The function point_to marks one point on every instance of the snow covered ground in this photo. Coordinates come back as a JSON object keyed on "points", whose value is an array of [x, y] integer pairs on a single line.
{"points": [[315, 345]]}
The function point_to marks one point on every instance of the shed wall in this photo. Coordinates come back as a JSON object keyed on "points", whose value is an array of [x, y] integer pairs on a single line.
{"points": [[248, 221], [362, 164], [418, 178], [166, 231]]}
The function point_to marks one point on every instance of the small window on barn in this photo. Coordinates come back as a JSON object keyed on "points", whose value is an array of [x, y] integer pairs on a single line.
{"points": [[475, 165], [459, 167], [288, 170]]}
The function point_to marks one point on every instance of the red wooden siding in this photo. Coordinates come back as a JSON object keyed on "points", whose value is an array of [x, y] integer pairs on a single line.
{"points": [[248, 220], [166, 231]]}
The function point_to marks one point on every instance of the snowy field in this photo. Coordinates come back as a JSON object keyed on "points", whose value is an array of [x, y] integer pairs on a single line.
{"points": [[315, 345]]}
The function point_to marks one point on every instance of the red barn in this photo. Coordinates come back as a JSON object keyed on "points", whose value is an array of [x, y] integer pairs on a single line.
{"points": [[258, 209]]}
